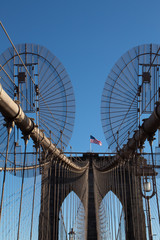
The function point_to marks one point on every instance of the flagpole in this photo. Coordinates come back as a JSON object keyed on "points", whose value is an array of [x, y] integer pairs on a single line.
{"points": [[90, 144]]}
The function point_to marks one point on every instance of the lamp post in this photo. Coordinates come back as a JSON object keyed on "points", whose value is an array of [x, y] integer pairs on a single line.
{"points": [[147, 189], [71, 234]]}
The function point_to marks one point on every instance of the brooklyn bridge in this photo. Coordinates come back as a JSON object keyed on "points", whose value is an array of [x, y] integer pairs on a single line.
{"points": [[47, 193]]}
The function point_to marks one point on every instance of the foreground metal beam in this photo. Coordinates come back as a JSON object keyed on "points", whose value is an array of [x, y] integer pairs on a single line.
{"points": [[146, 131], [13, 112]]}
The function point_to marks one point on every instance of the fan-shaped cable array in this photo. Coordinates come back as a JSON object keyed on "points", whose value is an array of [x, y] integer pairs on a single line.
{"points": [[130, 93], [37, 80]]}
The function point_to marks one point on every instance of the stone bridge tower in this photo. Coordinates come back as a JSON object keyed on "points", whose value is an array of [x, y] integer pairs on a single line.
{"points": [[58, 182]]}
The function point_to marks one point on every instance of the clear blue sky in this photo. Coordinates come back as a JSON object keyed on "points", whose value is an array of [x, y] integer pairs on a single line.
{"points": [[88, 37]]}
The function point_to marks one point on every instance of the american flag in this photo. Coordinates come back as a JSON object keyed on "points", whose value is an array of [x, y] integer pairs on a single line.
{"points": [[94, 140]]}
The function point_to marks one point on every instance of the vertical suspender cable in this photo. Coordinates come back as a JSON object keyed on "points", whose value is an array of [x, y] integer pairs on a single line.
{"points": [[131, 189], [20, 208], [69, 209], [54, 200], [67, 175], [123, 193], [33, 195], [115, 205], [57, 198], [48, 202], [149, 220], [64, 195], [154, 182], [61, 213], [4, 177]]}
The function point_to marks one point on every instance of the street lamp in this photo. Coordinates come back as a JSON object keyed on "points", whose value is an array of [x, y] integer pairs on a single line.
{"points": [[147, 189], [71, 234], [147, 186]]}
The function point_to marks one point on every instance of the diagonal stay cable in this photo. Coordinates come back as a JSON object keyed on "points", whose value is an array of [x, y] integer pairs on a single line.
{"points": [[16, 51]]}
